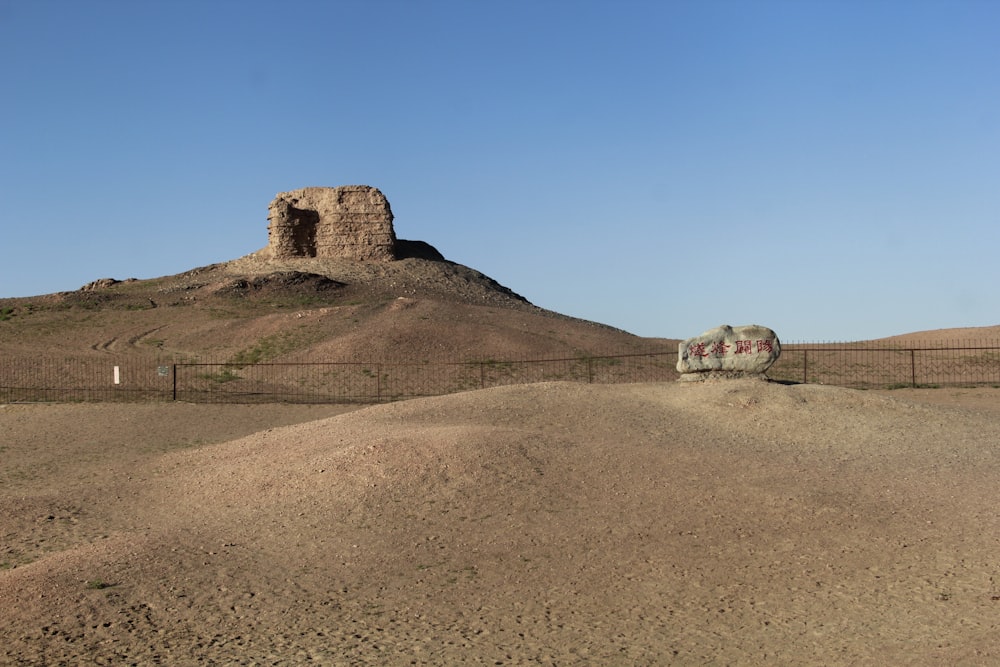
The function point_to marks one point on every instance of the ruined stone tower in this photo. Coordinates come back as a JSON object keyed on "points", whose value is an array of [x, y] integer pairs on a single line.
{"points": [[346, 222]]}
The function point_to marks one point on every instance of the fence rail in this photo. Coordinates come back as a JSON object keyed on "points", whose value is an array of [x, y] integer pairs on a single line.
{"points": [[887, 366], [108, 378], [112, 378], [390, 381]]}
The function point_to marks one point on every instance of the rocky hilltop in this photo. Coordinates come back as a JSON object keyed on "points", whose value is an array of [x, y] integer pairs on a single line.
{"points": [[346, 234], [332, 282]]}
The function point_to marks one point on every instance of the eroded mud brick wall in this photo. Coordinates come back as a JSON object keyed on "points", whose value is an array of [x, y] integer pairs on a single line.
{"points": [[348, 222]]}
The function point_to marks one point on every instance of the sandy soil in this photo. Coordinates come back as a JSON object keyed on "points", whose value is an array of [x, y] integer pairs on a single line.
{"points": [[739, 522]]}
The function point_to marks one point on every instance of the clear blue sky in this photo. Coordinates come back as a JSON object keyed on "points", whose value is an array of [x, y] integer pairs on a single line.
{"points": [[828, 169]]}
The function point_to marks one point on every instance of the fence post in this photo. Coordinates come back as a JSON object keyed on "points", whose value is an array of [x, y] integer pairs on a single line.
{"points": [[805, 366], [378, 382], [913, 369], [590, 370], [173, 374]]}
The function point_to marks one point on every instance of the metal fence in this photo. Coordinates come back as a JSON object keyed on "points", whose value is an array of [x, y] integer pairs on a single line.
{"points": [[109, 378], [886, 365], [124, 378]]}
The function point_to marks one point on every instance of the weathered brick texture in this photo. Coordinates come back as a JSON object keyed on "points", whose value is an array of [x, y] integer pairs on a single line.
{"points": [[349, 222]]}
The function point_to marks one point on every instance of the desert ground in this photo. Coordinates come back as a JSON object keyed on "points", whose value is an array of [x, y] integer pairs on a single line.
{"points": [[727, 523], [735, 522]]}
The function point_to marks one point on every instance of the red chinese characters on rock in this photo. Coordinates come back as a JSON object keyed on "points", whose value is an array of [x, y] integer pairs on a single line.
{"points": [[744, 350], [747, 346], [697, 350], [719, 349]]}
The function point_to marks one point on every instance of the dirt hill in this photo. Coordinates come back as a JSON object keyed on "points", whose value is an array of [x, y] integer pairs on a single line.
{"points": [[415, 308], [719, 523], [981, 334], [739, 522]]}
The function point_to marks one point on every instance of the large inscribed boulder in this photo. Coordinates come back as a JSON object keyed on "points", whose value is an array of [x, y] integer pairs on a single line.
{"points": [[346, 222], [746, 350]]}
